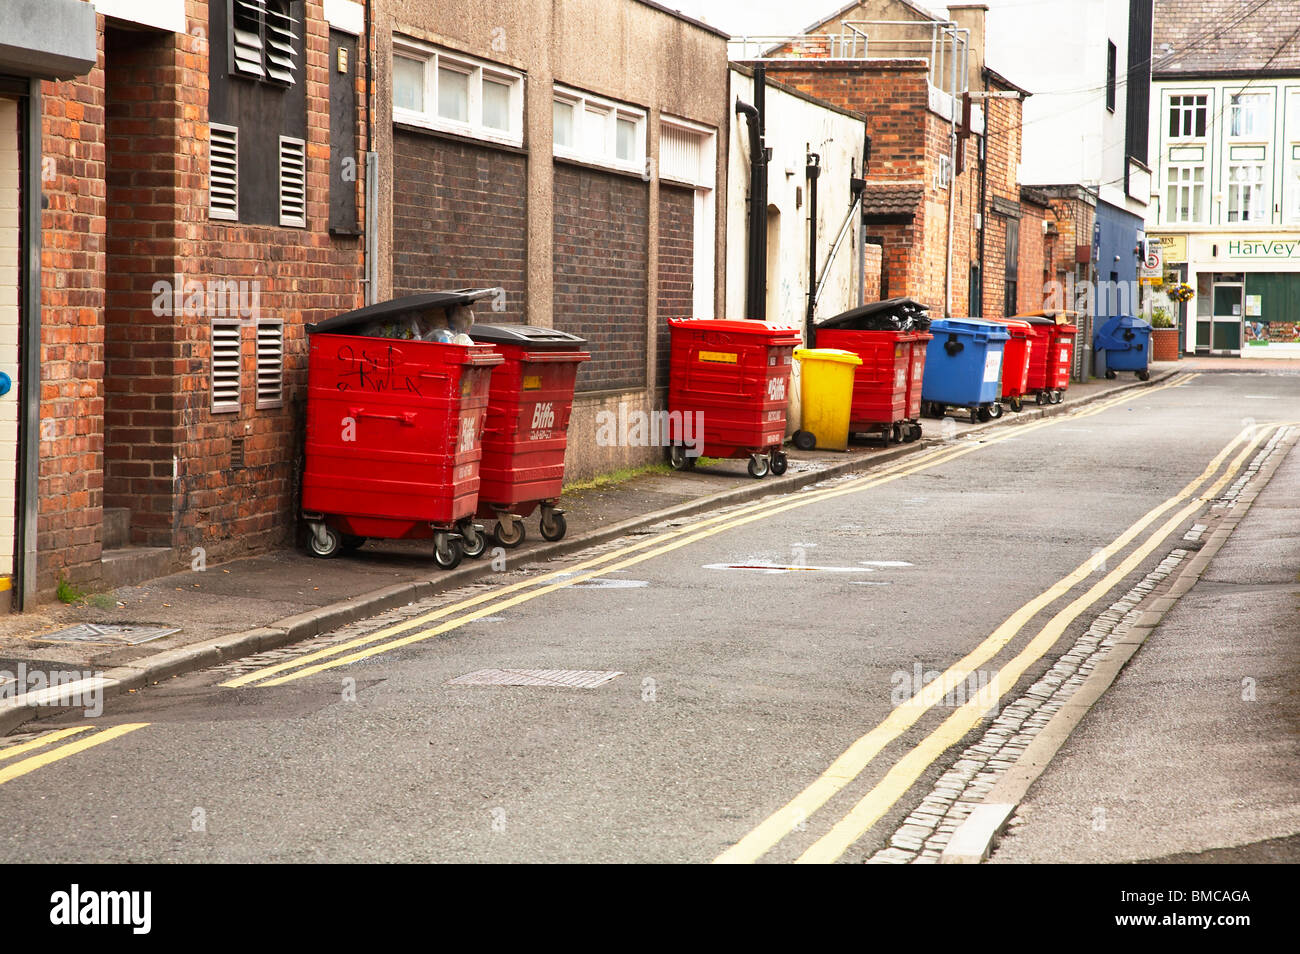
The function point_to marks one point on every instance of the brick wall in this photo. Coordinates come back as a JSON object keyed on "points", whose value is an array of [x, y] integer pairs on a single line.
{"points": [[600, 272], [71, 472], [1033, 277], [141, 347], [462, 219], [675, 293], [1002, 159], [168, 455], [872, 262]]}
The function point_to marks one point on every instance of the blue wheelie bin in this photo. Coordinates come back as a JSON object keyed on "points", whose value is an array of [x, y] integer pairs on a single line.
{"points": [[1126, 342], [963, 368]]}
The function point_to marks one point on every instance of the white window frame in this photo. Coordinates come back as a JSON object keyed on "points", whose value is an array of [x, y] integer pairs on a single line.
{"points": [[1258, 191], [1263, 115], [434, 58], [1185, 184], [1291, 158], [1187, 115], [605, 151]]}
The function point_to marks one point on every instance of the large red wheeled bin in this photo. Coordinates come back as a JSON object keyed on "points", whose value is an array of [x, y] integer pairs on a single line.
{"points": [[1017, 355], [887, 385], [1050, 361], [393, 431], [527, 428], [728, 390]]}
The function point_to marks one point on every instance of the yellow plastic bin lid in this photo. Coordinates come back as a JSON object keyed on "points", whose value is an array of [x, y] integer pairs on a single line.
{"points": [[837, 355]]}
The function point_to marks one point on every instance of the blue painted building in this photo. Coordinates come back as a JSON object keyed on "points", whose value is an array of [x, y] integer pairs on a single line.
{"points": [[1115, 237]]}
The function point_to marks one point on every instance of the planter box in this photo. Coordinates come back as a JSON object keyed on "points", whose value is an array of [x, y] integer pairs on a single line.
{"points": [[1164, 344]]}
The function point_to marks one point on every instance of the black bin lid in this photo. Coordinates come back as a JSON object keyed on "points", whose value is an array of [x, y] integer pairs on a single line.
{"points": [[529, 336], [346, 322]]}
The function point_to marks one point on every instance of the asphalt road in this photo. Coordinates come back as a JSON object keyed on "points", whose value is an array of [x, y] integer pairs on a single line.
{"points": [[752, 653]]}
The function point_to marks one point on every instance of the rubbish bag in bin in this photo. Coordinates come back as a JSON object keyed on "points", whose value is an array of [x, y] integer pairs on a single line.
{"points": [[893, 314]]}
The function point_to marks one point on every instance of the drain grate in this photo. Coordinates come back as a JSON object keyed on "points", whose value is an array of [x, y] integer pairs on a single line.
{"points": [[117, 634], [549, 678]]}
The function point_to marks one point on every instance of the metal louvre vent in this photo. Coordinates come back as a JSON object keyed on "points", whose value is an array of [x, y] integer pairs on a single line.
{"points": [[246, 51], [279, 41], [293, 182], [226, 354], [681, 154], [223, 172], [270, 363]]}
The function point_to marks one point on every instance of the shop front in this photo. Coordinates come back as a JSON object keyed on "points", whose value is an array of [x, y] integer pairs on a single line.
{"points": [[1247, 285]]}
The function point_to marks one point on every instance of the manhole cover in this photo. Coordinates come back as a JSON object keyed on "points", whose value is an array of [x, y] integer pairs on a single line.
{"points": [[118, 634], [553, 678]]}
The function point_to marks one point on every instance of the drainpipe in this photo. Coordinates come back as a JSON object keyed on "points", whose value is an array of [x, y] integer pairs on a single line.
{"points": [[861, 186], [952, 174], [371, 267], [984, 179], [756, 277], [814, 170]]}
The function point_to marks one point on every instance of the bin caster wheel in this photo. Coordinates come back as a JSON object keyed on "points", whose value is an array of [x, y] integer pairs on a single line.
{"points": [[981, 413], [913, 433], [758, 466], [351, 543], [678, 459], [1017, 405], [1058, 396], [1041, 398], [447, 551], [324, 542], [1110, 375], [995, 410], [508, 533], [1144, 375], [553, 526], [805, 440], [473, 540], [936, 411], [780, 463], [894, 435]]}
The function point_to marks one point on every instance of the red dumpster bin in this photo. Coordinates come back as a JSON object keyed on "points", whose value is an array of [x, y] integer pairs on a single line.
{"points": [[527, 428], [728, 390], [1049, 364], [1017, 356], [393, 431], [893, 363]]}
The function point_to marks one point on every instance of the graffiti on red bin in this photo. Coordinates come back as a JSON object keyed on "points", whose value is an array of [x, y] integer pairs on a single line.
{"points": [[370, 372]]}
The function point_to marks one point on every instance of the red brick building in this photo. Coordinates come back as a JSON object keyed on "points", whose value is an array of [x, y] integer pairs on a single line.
{"points": [[203, 205], [956, 236]]}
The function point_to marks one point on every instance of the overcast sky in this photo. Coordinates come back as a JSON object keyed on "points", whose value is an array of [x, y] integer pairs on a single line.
{"points": [[757, 17]]}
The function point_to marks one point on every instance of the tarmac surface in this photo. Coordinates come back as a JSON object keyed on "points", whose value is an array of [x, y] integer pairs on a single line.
{"points": [[737, 659]]}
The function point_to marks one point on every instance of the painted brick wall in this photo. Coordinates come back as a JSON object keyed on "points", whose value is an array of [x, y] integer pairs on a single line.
{"points": [[676, 268], [462, 219], [600, 272]]}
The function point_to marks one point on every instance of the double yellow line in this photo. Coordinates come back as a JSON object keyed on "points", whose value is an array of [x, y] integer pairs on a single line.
{"points": [[906, 770], [389, 638], [34, 762]]}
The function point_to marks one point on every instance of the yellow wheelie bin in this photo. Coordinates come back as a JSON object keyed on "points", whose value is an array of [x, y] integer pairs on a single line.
{"points": [[826, 391]]}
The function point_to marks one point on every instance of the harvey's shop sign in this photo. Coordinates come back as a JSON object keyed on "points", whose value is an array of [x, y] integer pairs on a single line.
{"points": [[1277, 248], [1283, 249]]}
